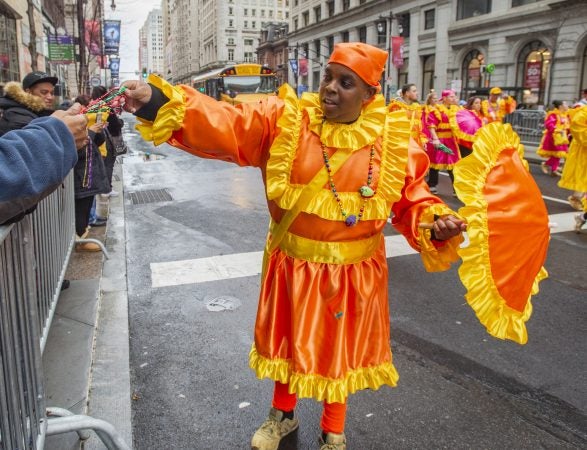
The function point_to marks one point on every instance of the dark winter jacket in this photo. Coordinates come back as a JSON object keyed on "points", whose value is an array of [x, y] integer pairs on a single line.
{"points": [[18, 108], [33, 163], [90, 176]]}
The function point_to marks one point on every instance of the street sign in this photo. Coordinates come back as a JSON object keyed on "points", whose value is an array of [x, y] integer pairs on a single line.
{"points": [[95, 81]]}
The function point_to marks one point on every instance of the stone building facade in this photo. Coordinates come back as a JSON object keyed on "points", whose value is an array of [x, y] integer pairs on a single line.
{"points": [[535, 48]]}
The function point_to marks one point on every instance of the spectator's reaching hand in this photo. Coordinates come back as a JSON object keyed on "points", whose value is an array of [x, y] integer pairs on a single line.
{"points": [[76, 122]]}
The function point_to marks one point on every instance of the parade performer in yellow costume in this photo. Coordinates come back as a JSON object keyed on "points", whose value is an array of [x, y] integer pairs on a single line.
{"points": [[497, 106], [574, 175], [334, 164], [408, 102]]}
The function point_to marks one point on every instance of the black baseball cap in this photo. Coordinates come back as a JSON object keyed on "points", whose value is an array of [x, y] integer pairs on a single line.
{"points": [[37, 77]]}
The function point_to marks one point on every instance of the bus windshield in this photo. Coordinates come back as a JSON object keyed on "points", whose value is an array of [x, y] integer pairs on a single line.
{"points": [[254, 84]]}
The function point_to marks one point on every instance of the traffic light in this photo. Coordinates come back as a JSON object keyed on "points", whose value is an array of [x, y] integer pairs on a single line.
{"points": [[144, 73]]}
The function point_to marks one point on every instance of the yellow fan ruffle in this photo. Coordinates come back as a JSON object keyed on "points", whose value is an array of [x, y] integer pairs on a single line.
{"points": [[475, 272], [437, 259], [321, 388], [169, 117]]}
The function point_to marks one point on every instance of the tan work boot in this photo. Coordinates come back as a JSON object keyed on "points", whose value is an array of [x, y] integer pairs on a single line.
{"points": [[333, 442], [575, 202], [270, 433]]}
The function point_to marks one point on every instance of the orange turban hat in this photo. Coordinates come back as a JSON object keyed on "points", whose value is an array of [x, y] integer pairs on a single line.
{"points": [[366, 61]]}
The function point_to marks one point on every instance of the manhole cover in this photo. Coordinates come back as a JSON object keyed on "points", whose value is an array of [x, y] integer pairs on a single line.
{"points": [[223, 303], [150, 196]]}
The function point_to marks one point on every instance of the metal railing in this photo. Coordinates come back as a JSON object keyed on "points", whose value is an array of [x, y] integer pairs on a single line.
{"points": [[528, 123], [34, 254]]}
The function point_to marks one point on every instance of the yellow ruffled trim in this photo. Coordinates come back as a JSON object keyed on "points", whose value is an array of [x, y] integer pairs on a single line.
{"points": [[394, 159], [442, 166], [284, 147], [551, 153], [437, 259], [169, 117], [321, 388], [391, 176], [356, 135], [482, 295]]}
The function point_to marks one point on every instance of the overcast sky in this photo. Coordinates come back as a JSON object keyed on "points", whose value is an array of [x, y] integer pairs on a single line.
{"points": [[132, 14]]}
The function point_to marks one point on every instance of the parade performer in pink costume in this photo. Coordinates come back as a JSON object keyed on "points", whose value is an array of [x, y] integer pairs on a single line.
{"points": [[439, 128], [555, 140]]}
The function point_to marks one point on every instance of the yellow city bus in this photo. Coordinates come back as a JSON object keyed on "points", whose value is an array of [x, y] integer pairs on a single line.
{"points": [[241, 83]]}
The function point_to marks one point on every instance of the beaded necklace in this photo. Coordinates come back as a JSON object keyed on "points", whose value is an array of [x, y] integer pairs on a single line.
{"points": [[366, 191]]}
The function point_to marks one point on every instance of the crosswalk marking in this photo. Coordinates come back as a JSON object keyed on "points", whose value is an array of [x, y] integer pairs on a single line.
{"points": [[238, 265]]}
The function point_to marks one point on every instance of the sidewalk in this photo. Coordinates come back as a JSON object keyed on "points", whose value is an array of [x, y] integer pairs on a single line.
{"points": [[86, 359]]}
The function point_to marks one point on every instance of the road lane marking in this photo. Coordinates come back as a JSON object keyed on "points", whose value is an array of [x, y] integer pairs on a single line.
{"points": [[238, 265]]}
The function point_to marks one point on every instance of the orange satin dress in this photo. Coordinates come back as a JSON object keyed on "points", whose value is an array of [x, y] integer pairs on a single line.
{"points": [[323, 319]]}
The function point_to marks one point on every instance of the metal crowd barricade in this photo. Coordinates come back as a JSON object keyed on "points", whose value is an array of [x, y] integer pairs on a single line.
{"points": [[34, 254], [529, 124]]}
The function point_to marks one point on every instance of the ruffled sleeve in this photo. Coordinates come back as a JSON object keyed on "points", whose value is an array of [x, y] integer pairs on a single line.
{"points": [[550, 122], [417, 205], [208, 128], [579, 126]]}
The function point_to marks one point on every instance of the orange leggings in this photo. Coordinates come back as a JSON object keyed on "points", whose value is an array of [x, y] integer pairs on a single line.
{"points": [[333, 414]]}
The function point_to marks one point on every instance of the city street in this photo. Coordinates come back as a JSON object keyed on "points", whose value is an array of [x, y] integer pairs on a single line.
{"points": [[195, 231]]}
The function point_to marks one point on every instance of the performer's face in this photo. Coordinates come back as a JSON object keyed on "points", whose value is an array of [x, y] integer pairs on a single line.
{"points": [[343, 94]]}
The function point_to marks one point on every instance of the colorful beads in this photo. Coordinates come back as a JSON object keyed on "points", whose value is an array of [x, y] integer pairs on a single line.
{"points": [[365, 191]]}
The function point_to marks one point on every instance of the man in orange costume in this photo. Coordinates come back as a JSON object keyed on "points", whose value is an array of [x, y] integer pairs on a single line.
{"points": [[335, 165], [497, 106]]}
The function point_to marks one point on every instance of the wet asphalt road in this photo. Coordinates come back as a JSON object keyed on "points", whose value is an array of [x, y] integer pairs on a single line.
{"points": [[459, 387]]}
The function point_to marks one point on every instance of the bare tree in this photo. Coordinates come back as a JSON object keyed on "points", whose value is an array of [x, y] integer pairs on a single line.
{"points": [[33, 34]]}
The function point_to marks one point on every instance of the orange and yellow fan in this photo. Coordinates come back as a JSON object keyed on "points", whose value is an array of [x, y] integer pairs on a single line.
{"points": [[507, 225]]}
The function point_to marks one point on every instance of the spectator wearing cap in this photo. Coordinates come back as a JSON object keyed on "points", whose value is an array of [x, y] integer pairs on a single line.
{"points": [[497, 106], [24, 102]]}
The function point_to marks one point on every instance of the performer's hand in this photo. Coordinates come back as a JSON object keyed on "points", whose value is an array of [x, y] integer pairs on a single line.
{"points": [[76, 122], [448, 226], [137, 95]]}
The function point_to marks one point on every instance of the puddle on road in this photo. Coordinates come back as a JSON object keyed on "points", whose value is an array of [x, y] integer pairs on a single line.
{"points": [[223, 303], [145, 156]]}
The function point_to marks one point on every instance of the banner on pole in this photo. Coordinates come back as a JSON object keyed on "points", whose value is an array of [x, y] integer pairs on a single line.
{"points": [[114, 67], [111, 37], [397, 50], [92, 37], [303, 64]]}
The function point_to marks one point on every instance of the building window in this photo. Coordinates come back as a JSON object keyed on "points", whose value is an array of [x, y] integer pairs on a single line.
{"points": [[345, 36], [403, 24], [402, 73], [471, 70], [472, 8], [583, 84], [381, 28], [330, 7], [363, 34], [253, 24], [428, 63], [253, 12], [346, 4], [231, 23], [230, 11], [318, 13], [231, 54], [249, 57], [522, 2], [330, 44], [295, 23], [429, 19], [246, 12], [315, 80], [230, 41], [246, 24], [305, 18], [249, 42], [533, 69], [317, 48]]}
